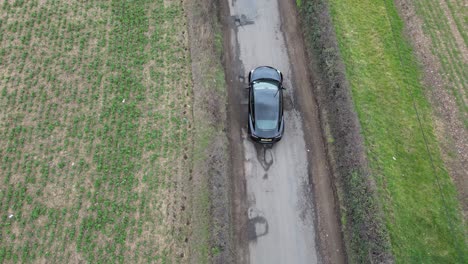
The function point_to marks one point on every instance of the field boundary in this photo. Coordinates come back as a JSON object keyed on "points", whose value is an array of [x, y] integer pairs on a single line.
{"points": [[210, 241], [448, 115]]}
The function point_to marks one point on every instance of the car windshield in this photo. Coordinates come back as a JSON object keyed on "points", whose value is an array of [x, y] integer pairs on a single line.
{"points": [[266, 102]]}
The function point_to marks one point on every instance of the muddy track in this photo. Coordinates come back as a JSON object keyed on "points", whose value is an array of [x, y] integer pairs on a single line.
{"points": [[283, 204]]}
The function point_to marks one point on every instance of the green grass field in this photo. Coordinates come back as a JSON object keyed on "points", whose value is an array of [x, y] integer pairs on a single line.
{"points": [[419, 199], [95, 129]]}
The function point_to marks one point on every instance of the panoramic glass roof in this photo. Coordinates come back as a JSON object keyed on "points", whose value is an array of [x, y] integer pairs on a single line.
{"points": [[266, 101]]}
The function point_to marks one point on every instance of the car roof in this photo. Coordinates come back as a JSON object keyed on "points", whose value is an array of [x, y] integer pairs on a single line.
{"points": [[265, 72], [266, 100]]}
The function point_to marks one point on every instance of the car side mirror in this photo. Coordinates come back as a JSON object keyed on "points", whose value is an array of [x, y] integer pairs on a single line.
{"points": [[247, 88], [284, 88]]}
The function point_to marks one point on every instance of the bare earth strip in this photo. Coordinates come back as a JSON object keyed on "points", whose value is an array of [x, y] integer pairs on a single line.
{"points": [[210, 236]]}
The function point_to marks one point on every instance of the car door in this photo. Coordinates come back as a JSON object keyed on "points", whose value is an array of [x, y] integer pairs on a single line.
{"points": [[251, 102], [280, 106]]}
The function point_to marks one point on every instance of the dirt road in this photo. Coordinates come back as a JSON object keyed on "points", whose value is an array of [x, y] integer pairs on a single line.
{"points": [[274, 203]]}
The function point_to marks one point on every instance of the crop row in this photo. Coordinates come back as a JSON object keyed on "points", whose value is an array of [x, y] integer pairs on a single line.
{"points": [[96, 123]]}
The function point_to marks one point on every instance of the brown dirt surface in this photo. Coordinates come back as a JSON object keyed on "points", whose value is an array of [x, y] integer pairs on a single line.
{"points": [[329, 235], [450, 130], [236, 168], [210, 241]]}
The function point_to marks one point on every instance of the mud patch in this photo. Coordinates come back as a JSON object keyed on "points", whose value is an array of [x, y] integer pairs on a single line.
{"points": [[242, 20], [257, 224], [288, 103], [265, 156]]}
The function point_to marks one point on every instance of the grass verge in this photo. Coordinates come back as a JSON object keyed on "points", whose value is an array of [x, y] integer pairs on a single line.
{"points": [[419, 200], [365, 235]]}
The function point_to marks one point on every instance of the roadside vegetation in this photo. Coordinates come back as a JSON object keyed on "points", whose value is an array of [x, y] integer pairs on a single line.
{"points": [[96, 131], [419, 201], [211, 191]]}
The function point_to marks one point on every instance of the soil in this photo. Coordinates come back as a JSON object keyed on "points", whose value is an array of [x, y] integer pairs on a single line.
{"points": [[329, 236], [450, 131], [210, 240]]}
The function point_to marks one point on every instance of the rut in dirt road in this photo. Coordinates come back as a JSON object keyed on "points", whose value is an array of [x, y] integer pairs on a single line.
{"points": [[273, 199]]}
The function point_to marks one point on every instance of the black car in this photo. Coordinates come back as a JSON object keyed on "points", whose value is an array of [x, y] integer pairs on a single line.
{"points": [[266, 124]]}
